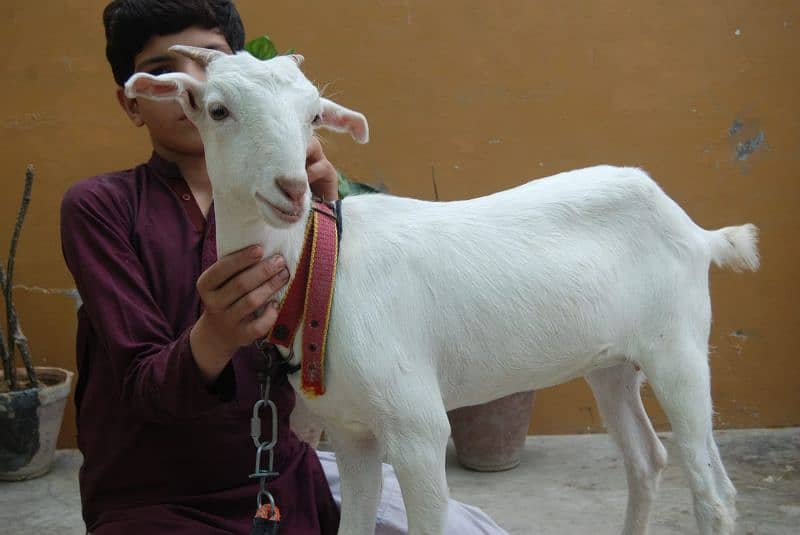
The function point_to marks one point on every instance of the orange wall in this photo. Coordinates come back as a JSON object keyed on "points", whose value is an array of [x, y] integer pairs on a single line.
{"points": [[484, 97]]}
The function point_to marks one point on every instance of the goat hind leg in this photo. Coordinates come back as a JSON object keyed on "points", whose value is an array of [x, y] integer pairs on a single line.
{"points": [[681, 381], [725, 488], [617, 392]]}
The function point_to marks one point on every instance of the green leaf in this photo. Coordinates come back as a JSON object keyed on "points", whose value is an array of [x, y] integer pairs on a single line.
{"points": [[344, 186], [351, 187], [262, 48], [357, 188]]}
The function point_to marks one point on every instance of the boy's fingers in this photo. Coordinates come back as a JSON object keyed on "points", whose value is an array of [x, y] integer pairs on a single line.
{"points": [[319, 171], [227, 267], [244, 283], [256, 299], [322, 176], [259, 327], [314, 152], [323, 180]]}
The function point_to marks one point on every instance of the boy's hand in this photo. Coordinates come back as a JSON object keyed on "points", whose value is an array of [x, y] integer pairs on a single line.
{"points": [[232, 290], [322, 176]]}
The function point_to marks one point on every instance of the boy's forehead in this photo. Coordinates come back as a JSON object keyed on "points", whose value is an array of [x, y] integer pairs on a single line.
{"points": [[158, 45]]}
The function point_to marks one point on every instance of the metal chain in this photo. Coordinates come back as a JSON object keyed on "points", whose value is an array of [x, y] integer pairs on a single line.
{"points": [[264, 446]]}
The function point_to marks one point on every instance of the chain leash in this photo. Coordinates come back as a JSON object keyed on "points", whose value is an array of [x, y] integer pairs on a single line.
{"points": [[268, 515]]}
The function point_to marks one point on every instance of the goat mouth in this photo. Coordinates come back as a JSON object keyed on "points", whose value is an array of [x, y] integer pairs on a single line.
{"points": [[283, 214]]}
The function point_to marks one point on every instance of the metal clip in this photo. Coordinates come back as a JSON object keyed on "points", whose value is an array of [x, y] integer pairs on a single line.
{"points": [[255, 423]]}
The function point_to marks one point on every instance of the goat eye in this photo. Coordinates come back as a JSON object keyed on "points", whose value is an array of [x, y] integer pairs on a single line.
{"points": [[218, 112], [316, 120]]}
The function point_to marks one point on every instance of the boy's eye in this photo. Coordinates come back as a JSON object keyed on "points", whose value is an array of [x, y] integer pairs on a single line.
{"points": [[160, 70], [218, 112]]}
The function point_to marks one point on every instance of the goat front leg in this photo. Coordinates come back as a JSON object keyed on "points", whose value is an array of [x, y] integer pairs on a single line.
{"points": [[359, 460], [416, 434]]}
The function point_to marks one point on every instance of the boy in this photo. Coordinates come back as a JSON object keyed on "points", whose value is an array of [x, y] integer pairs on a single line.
{"points": [[165, 338]]}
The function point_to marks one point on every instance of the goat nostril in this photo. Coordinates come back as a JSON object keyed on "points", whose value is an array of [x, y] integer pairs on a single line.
{"points": [[292, 188], [283, 190]]}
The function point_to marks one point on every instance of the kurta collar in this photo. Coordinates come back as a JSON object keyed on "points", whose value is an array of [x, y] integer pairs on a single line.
{"points": [[163, 167], [170, 174]]}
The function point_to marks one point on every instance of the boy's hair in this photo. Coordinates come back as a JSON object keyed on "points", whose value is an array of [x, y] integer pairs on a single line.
{"points": [[130, 24]]}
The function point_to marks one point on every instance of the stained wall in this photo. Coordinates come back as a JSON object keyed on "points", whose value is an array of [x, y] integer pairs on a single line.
{"points": [[480, 96]]}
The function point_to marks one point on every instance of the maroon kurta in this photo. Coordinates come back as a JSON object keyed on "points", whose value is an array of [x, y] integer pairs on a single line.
{"points": [[162, 451]]}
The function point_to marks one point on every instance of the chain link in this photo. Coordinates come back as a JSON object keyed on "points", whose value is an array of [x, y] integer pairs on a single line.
{"points": [[264, 446]]}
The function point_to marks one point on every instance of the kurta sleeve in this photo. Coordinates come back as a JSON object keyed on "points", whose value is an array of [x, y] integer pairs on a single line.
{"points": [[153, 368]]}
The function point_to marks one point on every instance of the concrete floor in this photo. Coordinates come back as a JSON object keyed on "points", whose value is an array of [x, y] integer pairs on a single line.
{"points": [[565, 484]]}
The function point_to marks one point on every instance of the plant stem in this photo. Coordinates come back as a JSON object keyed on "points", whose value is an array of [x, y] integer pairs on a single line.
{"points": [[435, 189], [14, 330], [6, 353], [21, 342]]}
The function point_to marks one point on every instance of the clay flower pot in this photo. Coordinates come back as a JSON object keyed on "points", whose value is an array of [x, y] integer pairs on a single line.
{"points": [[30, 421], [490, 437]]}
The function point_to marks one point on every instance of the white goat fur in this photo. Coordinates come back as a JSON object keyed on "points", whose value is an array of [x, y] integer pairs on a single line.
{"points": [[439, 305]]}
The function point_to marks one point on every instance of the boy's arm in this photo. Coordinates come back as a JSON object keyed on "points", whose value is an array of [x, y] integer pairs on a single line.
{"points": [[154, 369]]}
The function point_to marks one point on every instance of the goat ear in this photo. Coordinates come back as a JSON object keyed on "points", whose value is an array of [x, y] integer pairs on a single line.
{"points": [[171, 86], [340, 119]]}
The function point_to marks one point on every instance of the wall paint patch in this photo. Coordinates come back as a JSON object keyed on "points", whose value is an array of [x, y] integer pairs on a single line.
{"points": [[747, 147]]}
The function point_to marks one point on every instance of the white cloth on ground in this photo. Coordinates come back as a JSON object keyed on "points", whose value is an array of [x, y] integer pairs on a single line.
{"points": [[462, 519]]}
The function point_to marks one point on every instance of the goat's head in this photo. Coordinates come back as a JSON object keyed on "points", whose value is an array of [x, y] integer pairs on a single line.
{"points": [[256, 119]]}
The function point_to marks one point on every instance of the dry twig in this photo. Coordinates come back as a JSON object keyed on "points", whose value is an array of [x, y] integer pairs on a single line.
{"points": [[16, 339]]}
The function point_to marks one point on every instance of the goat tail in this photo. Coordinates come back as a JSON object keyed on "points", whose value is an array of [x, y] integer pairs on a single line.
{"points": [[735, 247]]}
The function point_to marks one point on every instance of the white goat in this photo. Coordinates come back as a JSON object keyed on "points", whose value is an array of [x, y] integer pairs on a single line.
{"points": [[592, 273]]}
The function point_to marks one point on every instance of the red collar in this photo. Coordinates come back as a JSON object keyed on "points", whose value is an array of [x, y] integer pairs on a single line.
{"points": [[310, 296]]}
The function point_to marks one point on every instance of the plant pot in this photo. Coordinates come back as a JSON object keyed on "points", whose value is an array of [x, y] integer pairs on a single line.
{"points": [[490, 437], [30, 421]]}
